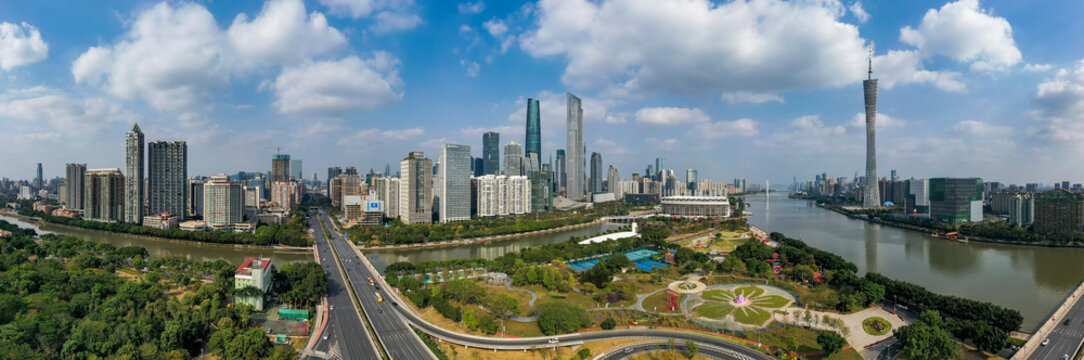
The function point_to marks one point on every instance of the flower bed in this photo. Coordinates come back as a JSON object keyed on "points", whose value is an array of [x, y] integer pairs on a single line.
{"points": [[876, 326]]}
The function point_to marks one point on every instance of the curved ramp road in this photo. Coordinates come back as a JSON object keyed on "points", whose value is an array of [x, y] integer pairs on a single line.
{"points": [[384, 314], [640, 348]]}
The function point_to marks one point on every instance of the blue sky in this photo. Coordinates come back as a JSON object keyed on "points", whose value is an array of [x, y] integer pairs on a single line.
{"points": [[755, 88]]}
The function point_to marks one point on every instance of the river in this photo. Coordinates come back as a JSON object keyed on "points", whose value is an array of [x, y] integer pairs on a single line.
{"points": [[1031, 279]]}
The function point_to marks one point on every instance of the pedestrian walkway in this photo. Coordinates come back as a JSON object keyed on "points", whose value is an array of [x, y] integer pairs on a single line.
{"points": [[857, 337]]}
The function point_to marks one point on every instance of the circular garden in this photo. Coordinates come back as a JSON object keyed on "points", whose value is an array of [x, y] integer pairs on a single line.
{"points": [[743, 304], [876, 326]]}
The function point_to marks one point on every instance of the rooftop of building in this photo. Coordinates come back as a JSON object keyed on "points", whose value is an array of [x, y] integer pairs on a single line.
{"points": [[253, 263]]}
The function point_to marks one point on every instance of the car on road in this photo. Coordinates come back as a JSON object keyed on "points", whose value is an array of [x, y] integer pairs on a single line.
{"points": [[370, 281], [379, 298], [628, 350], [1066, 322], [331, 307], [325, 337], [553, 341], [1065, 357], [1045, 341]]}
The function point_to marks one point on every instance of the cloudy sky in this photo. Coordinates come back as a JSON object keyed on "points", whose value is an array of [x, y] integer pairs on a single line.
{"points": [[763, 89]]}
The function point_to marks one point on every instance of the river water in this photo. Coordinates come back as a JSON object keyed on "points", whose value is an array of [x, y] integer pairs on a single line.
{"points": [[1031, 279]]}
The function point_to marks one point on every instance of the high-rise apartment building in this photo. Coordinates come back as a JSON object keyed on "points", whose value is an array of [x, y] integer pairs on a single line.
{"points": [[349, 185], [167, 177], [73, 182], [454, 175], [391, 194], [956, 201], [513, 161], [576, 151], [533, 143], [295, 170], [280, 167], [133, 181], [500, 195], [491, 153], [596, 173], [871, 196], [416, 189], [1059, 212], [194, 205], [1022, 210], [613, 179], [223, 202], [104, 195], [285, 195]]}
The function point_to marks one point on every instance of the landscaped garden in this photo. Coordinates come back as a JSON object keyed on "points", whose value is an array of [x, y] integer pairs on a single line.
{"points": [[876, 326], [744, 304]]}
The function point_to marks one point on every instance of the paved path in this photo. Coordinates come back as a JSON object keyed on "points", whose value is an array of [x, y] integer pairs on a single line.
{"points": [[530, 305], [857, 337]]}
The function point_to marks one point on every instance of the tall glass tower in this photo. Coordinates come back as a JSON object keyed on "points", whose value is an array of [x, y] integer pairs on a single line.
{"points": [[533, 142], [559, 172], [491, 153], [576, 163], [871, 194], [454, 183], [133, 181], [596, 172]]}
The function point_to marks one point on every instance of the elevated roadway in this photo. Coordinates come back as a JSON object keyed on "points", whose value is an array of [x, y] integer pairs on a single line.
{"points": [[345, 328]]}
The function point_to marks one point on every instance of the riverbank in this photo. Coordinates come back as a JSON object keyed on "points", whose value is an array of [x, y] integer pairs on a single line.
{"points": [[939, 234], [275, 248], [477, 240]]}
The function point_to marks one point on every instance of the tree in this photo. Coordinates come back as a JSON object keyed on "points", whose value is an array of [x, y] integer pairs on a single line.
{"points": [[691, 349], [608, 324], [925, 339], [561, 318], [584, 354], [501, 305], [831, 342], [807, 316]]}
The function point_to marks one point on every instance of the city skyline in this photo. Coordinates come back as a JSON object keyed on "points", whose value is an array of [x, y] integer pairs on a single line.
{"points": [[72, 92]]}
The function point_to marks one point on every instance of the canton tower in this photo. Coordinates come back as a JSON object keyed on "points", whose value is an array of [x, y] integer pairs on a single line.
{"points": [[872, 196]]}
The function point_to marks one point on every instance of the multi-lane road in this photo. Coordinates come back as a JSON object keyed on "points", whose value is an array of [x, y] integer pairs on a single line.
{"points": [[345, 328], [1064, 339], [398, 339]]}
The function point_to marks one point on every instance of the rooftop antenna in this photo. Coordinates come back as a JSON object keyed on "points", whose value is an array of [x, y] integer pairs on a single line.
{"points": [[871, 60]]}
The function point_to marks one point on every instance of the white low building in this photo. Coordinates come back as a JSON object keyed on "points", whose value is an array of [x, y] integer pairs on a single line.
{"points": [[613, 236], [696, 206]]}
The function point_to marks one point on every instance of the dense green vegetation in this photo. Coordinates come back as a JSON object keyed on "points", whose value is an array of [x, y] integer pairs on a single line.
{"points": [[831, 342], [300, 285], [463, 292], [292, 233], [65, 298], [561, 318], [398, 233], [16, 230], [926, 339]]}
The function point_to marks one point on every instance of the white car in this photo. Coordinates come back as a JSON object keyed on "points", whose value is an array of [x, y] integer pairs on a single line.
{"points": [[1046, 341], [553, 341]]}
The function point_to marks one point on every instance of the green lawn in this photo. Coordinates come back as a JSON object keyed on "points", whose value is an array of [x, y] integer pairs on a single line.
{"points": [[750, 291], [718, 295], [771, 301], [714, 310], [751, 315], [660, 300]]}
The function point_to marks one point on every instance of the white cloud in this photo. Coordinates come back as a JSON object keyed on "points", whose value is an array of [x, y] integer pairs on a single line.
{"points": [[374, 135], [619, 118], [967, 33], [495, 27], [610, 147], [42, 110], [92, 65], [1037, 67], [472, 7], [1060, 107], [388, 21], [859, 13], [20, 45], [899, 67], [670, 144], [472, 68], [669, 116], [697, 46], [738, 97], [354, 8], [283, 34], [723, 129], [338, 87], [981, 129], [858, 121]]}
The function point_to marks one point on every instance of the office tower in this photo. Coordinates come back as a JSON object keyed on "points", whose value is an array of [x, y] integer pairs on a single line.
{"points": [[1022, 210], [596, 173], [104, 195], [739, 185], [478, 167], [387, 170], [660, 168], [612, 180], [542, 189], [38, 181], [74, 186], [195, 198], [133, 181], [560, 172], [871, 195], [1064, 185], [956, 201], [893, 176], [691, 181], [491, 153], [295, 169], [223, 202], [167, 177], [533, 154], [280, 167], [1059, 212], [415, 189], [332, 172], [576, 164], [454, 174], [513, 161], [918, 196]]}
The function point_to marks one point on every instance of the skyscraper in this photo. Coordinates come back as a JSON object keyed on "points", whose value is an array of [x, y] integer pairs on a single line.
{"points": [[513, 161], [533, 143], [416, 189], [332, 172], [75, 183], [559, 171], [195, 198], [387, 170], [613, 180], [38, 180], [104, 189], [223, 202], [478, 167], [454, 174], [576, 164], [871, 194], [167, 177], [491, 153], [660, 168], [133, 182], [295, 169], [691, 181], [596, 173], [280, 167]]}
